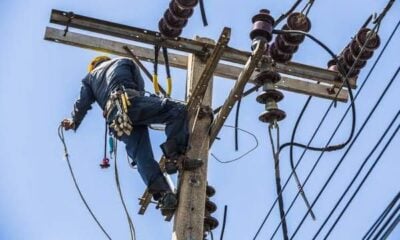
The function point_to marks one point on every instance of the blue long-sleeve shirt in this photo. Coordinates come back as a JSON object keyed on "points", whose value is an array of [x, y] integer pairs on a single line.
{"points": [[99, 83]]}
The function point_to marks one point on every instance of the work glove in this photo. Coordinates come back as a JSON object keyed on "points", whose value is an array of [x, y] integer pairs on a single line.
{"points": [[68, 124]]}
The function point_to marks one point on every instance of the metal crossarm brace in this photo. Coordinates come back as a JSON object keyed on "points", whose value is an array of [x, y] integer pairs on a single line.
{"points": [[180, 61], [195, 99], [237, 91], [185, 45]]}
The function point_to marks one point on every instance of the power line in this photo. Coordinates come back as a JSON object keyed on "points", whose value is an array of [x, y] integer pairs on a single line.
{"points": [[348, 149], [357, 174], [380, 219], [363, 181]]}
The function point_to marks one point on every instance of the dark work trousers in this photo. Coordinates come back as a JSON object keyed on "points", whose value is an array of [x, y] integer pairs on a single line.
{"points": [[146, 110]]}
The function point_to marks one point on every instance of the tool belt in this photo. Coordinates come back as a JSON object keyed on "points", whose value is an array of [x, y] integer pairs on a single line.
{"points": [[119, 101]]}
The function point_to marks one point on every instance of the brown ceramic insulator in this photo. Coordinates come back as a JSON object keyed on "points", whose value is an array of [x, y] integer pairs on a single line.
{"points": [[263, 24], [353, 73], [167, 31], [283, 47], [187, 4], [211, 207], [350, 60], [269, 95], [272, 115], [179, 12], [332, 65], [292, 38], [267, 77], [278, 56], [210, 223], [174, 22], [355, 49], [299, 21], [373, 42], [210, 191]]}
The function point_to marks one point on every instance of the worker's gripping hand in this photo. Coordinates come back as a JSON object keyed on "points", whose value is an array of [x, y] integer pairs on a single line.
{"points": [[68, 124]]}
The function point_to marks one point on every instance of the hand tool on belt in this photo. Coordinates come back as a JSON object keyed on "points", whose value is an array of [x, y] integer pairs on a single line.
{"points": [[119, 101]]}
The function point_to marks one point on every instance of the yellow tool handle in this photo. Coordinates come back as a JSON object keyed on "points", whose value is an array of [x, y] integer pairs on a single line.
{"points": [[128, 102], [124, 104], [155, 84]]}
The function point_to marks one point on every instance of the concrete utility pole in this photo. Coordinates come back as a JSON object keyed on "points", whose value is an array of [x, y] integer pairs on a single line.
{"points": [[189, 217]]}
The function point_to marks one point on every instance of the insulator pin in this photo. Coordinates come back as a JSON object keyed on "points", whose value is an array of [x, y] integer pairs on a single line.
{"points": [[266, 77], [272, 115], [269, 95], [263, 24]]}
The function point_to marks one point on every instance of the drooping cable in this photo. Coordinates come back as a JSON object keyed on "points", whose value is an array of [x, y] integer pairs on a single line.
{"points": [[155, 70], [62, 139], [168, 71], [371, 231], [132, 230], [356, 175], [244, 154], [224, 222], [275, 152], [348, 149], [203, 13], [237, 124]]}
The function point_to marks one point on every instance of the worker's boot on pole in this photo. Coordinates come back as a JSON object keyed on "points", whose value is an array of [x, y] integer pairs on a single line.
{"points": [[176, 159], [168, 203]]}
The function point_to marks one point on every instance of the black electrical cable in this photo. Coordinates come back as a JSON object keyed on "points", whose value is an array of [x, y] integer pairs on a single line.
{"points": [[224, 222], [381, 217], [156, 53], [363, 181], [166, 60], [132, 230], [285, 15], [390, 218], [62, 139], [237, 124], [278, 177], [356, 176], [203, 13], [243, 155], [391, 228], [348, 149]]}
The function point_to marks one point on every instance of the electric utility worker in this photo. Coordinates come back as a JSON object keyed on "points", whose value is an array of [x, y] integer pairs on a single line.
{"points": [[118, 87]]}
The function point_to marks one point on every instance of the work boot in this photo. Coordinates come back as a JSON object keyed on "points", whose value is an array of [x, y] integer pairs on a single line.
{"points": [[168, 203], [181, 161]]}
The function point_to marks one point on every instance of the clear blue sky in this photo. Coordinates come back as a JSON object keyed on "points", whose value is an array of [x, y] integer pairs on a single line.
{"points": [[40, 80]]}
